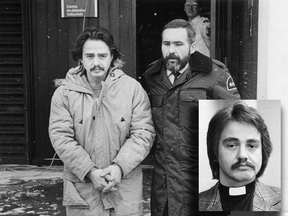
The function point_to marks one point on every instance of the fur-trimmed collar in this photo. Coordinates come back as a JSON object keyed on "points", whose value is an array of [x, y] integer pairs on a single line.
{"points": [[118, 64], [198, 63]]}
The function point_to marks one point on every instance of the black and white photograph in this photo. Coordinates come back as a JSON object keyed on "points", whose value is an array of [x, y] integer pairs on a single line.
{"points": [[240, 155], [102, 101]]}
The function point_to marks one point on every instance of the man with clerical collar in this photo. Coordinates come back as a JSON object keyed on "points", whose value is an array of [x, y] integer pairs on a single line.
{"points": [[239, 147]]}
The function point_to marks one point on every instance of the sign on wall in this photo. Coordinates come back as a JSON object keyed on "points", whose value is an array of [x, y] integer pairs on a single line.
{"points": [[79, 8]]}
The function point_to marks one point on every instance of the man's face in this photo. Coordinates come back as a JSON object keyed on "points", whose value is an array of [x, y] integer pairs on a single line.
{"points": [[96, 59], [239, 154], [176, 48], [191, 8]]}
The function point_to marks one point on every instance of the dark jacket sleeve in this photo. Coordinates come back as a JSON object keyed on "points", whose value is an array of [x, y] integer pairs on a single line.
{"points": [[225, 87]]}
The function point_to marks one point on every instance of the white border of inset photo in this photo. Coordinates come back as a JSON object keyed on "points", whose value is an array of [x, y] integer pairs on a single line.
{"points": [[270, 111]]}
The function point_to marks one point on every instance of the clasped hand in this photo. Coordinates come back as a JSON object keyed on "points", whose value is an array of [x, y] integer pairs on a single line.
{"points": [[105, 180]]}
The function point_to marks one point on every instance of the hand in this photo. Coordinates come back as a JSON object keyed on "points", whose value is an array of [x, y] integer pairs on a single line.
{"points": [[113, 175], [99, 182]]}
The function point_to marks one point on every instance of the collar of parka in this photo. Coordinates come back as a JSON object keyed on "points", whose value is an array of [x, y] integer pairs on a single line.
{"points": [[73, 76]]}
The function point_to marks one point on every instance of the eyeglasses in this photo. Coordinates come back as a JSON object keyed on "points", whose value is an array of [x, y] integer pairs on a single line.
{"points": [[189, 5]]}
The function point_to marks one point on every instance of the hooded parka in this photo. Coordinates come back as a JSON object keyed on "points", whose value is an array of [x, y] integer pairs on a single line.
{"points": [[87, 131], [175, 115]]}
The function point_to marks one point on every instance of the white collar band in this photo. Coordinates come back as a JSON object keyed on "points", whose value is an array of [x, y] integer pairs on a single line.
{"points": [[236, 191]]}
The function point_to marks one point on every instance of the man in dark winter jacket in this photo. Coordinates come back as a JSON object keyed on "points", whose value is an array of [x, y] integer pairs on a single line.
{"points": [[175, 84]]}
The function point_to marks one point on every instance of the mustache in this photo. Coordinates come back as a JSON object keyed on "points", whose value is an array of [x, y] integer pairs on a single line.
{"points": [[172, 56], [242, 162], [96, 68]]}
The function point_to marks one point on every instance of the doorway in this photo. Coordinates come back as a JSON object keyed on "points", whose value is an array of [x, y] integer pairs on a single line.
{"points": [[151, 16]]}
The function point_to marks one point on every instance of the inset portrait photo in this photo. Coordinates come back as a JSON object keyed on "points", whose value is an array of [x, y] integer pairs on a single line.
{"points": [[239, 155]]}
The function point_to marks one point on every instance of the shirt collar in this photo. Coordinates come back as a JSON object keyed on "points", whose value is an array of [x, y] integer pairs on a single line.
{"points": [[237, 191], [168, 72]]}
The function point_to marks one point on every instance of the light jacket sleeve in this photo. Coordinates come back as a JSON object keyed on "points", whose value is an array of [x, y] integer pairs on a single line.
{"points": [[142, 133], [62, 136], [205, 31]]}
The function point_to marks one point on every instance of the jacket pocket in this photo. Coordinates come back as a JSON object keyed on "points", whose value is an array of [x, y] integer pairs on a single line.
{"points": [[123, 125], [79, 133], [131, 192], [193, 95], [71, 196], [188, 110]]}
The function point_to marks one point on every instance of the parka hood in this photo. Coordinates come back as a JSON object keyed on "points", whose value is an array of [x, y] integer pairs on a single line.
{"points": [[76, 80]]}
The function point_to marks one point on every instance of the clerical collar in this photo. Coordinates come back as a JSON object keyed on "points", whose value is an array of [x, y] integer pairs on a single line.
{"points": [[237, 191]]}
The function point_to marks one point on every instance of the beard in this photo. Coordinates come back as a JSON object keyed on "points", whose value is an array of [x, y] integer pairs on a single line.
{"points": [[174, 64]]}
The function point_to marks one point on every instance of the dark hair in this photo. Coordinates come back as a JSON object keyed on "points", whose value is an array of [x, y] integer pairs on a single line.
{"points": [[242, 113], [180, 23], [94, 33]]}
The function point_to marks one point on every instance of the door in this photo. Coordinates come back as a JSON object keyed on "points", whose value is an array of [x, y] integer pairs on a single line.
{"points": [[226, 28]]}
